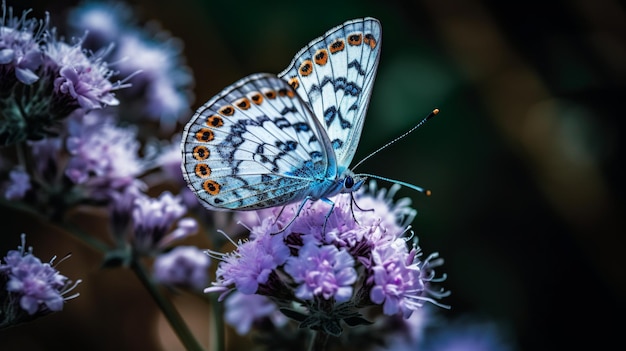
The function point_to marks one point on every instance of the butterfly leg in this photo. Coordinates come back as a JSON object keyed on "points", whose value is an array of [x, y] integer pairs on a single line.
{"points": [[294, 217], [353, 201], [332, 207]]}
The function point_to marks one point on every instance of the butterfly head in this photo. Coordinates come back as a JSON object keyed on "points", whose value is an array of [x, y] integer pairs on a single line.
{"points": [[352, 182]]}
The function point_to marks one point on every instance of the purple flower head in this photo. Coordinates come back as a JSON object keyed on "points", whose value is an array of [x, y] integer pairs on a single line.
{"points": [[104, 157], [19, 184], [20, 52], [183, 266], [38, 287], [153, 220], [82, 80], [401, 281], [249, 265], [322, 271], [242, 311]]}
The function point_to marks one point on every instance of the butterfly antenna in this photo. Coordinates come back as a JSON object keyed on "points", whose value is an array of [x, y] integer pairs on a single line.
{"points": [[421, 123], [410, 186]]}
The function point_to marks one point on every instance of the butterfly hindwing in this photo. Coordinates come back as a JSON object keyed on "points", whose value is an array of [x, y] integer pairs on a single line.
{"points": [[334, 74], [254, 145]]}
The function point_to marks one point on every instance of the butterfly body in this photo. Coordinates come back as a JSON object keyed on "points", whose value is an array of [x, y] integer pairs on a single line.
{"points": [[269, 140]]}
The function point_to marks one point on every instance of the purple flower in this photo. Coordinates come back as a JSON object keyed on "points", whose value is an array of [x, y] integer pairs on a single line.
{"points": [[19, 184], [322, 271], [82, 79], [400, 279], [38, 287], [20, 52], [104, 157], [242, 311], [250, 265], [184, 265], [153, 220]]}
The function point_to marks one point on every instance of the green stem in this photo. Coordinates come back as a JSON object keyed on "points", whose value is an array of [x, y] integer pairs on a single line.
{"points": [[216, 331], [319, 341], [176, 321]]}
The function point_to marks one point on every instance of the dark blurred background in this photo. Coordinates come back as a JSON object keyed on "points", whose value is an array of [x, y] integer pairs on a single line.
{"points": [[524, 160]]}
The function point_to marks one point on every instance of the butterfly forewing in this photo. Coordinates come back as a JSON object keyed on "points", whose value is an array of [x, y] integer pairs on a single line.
{"points": [[334, 74], [254, 145]]}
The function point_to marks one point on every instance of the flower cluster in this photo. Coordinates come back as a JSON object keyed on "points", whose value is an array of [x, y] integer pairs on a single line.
{"points": [[30, 288], [94, 154], [362, 259], [44, 79]]}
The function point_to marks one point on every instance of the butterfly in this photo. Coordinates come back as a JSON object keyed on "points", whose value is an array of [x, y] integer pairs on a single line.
{"points": [[270, 140]]}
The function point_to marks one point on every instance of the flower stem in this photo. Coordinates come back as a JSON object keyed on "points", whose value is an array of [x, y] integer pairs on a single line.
{"points": [[176, 321], [216, 332], [319, 341]]}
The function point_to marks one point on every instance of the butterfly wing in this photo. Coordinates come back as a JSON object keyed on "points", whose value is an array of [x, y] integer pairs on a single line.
{"points": [[335, 74], [254, 145]]}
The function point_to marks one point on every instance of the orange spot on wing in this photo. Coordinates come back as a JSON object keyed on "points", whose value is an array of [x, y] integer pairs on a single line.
{"points": [[294, 82], [306, 68], [227, 110], [355, 39], [256, 98], [205, 135], [321, 57], [370, 40], [203, 170], [337, 46], [286, 92], [201, 152], [211, 187], [215, 121], [270, 94], [243, 103]]}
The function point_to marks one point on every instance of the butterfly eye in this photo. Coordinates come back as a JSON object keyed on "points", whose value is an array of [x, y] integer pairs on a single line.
{"points": [[348, 182]]}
